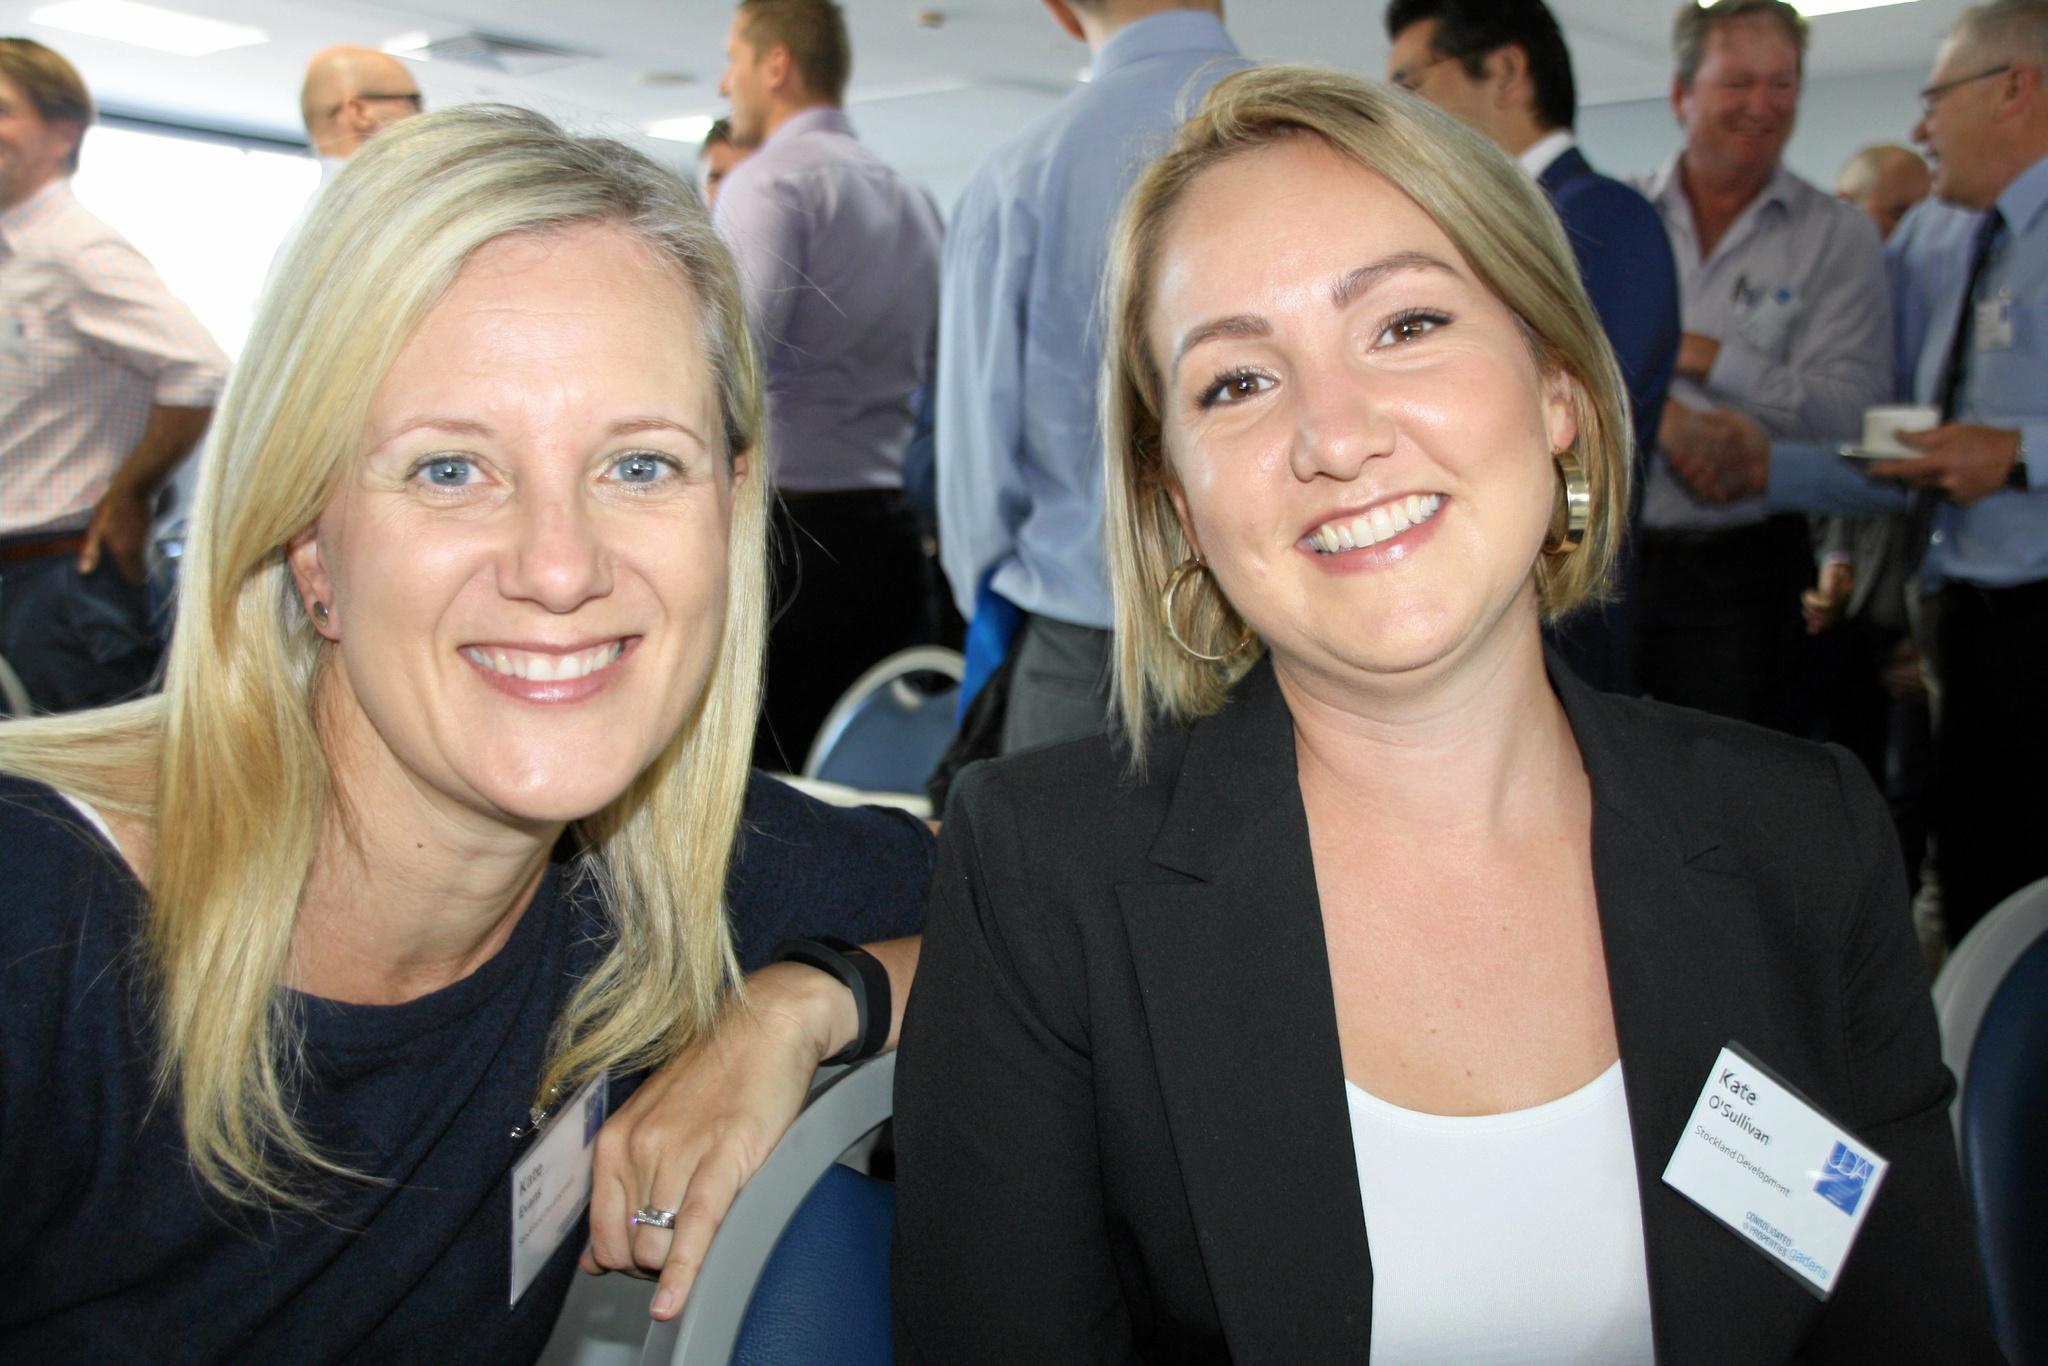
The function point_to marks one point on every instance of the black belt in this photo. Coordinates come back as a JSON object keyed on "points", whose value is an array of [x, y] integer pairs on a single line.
{"points": [[2019, 600]]}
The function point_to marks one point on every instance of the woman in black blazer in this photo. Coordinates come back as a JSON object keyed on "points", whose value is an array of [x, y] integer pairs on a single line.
{"points": [[1359, 851]]}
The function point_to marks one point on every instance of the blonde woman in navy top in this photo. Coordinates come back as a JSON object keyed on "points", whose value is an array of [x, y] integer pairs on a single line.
{"points": [[443, 817]]}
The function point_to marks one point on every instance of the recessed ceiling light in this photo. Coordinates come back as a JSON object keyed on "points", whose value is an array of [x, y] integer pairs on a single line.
{"points": [[1812, 8], [688, 128], [166, 30], [402, 44]]}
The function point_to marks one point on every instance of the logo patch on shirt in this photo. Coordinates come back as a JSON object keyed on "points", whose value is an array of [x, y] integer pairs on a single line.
{"points": [[1844, 1178]]}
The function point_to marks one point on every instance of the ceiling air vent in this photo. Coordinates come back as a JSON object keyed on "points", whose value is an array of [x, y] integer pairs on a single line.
{"points": [[511, 56]]}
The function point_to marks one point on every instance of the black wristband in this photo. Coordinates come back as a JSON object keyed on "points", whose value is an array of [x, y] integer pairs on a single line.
{"points": [[863, 975]]}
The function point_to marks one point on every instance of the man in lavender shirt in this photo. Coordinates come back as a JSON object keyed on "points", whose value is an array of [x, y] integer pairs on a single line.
{"points": [[839, 264]]}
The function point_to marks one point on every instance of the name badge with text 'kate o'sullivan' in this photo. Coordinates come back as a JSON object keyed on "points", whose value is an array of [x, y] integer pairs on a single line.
{"points": [[1764, 1161], [551, 1184]]}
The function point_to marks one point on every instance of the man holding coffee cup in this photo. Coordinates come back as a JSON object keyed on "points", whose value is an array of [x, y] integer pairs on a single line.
{"points": [[1970, 285]]}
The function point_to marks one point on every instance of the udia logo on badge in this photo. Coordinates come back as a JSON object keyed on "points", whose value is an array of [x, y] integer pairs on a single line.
{"points": [[1765, 1161], [1844, 1179]]}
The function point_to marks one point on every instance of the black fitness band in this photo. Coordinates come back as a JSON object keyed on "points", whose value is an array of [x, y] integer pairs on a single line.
{"points": [[863, 975]]}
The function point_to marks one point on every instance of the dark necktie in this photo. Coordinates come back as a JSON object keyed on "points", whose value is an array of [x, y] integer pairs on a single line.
{"points": [[1957, 365]]}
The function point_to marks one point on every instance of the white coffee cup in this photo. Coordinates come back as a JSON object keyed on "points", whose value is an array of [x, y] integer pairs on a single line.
{"points": [[1881, 426]]}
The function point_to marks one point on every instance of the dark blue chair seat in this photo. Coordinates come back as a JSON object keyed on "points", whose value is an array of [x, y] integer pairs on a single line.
{"points": [[824, 1295]]}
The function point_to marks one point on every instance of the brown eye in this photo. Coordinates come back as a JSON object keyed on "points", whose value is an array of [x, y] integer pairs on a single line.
{"points": [[1234, 386], [1410, 327]]}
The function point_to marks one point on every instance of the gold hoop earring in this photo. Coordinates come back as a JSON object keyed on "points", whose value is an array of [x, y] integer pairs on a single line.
{"points": [[1575, 496], [1182, 572]]}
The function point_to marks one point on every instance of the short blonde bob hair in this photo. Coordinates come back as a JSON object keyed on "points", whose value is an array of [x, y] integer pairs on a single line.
{"points": [[1502, 225], [227, 766]]}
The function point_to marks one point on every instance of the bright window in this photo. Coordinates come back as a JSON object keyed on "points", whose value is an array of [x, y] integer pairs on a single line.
{"points": [[208, 214]]}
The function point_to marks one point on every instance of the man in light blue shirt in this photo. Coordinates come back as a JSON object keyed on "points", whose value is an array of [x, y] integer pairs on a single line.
{"points": [[1781, 290], [1019, 456], [839, 265], [1970, 286]]}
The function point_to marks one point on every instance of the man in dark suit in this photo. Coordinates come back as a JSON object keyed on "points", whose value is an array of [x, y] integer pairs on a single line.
{"points": [[1501, 67]]}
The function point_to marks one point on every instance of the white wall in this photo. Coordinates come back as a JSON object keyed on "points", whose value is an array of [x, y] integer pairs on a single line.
{"points": [[1836, 116]]}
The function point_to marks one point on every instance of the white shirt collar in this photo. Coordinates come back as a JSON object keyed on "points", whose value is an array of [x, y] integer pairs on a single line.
{"points": [[1538, 155]]}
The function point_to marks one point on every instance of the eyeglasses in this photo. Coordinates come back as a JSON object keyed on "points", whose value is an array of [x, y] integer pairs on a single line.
{"points": [[411, 97], [1410, 79], [1933, 94]]}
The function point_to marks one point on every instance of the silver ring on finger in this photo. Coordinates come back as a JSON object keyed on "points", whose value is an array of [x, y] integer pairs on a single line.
{"points": [[654, 1218]]}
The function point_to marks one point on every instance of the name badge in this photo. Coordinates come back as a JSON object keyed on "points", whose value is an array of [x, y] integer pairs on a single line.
{"points": [[1993, 327], [551, 1184], [1758, 1157]]}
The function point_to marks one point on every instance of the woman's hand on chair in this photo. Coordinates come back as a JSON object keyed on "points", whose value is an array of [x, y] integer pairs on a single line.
{"points": [[704, 1122]]}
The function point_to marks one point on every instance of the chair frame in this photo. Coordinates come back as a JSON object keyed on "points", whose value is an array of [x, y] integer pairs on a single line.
{"points": [[846, 1105], [917, 659], [13, 693]]}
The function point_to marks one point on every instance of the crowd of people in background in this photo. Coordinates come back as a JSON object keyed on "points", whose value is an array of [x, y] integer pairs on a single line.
{"points": [[1745, 305]]}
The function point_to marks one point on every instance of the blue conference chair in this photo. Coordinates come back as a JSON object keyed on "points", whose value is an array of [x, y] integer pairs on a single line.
{"points": [[887, 733], [2005, 1130], [799, 1271], [1992, 1001]]}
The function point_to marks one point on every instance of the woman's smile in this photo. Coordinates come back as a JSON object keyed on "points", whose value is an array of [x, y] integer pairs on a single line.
{"points": [[543, 674], [1382, 524]]}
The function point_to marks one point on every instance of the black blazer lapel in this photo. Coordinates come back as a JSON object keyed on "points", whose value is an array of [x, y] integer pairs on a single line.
{"points": [[1682, 942], [1228, 949]]}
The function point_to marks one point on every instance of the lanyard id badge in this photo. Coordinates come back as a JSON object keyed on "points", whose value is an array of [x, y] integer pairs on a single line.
{"points": [[1993, 329], [551, 1183]]}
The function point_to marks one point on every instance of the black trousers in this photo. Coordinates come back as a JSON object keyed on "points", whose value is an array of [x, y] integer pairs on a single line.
{"points": [[1720, 628], [1991, 750], [852, 585]]}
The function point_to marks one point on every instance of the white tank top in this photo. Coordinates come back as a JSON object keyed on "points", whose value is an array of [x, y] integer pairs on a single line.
{"points": [[1504, 1238]]}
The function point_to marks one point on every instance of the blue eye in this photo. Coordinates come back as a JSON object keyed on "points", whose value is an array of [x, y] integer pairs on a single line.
{"points": [[448, 471], [642, 468]]}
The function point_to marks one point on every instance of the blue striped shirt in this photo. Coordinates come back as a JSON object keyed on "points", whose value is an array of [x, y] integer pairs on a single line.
{"points": [[2001, 539], [1019, 456]]}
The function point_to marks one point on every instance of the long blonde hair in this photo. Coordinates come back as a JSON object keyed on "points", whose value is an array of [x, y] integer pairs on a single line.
{"points": [[226, 768], [1498, 220]]}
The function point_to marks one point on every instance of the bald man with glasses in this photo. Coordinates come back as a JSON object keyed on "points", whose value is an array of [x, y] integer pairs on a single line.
{"points": [[350, 95]]}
